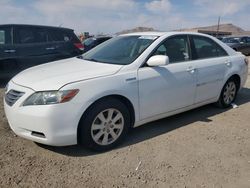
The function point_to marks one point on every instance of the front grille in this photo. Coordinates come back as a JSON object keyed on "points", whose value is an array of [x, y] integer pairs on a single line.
{"points": [[12, 96]]}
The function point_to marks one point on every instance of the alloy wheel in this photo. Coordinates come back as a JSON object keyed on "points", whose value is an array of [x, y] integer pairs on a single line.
{"points": [[229, 92], [107, 126]]}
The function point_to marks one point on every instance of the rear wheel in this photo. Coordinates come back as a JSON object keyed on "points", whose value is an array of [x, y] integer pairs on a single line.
{"points": [[104, 125], [228, 94]]}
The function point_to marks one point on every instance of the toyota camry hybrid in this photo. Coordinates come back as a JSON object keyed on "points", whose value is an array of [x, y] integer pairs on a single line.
{"points": [[125, 82]]}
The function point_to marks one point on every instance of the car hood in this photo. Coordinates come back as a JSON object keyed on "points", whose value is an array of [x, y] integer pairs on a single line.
{"points": [[54, 75]]}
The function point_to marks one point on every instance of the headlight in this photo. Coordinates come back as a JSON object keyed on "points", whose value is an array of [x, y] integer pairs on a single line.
{"points": [[50, 97]]}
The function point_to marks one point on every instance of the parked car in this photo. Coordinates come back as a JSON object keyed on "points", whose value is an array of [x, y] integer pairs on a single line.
{"points": [[92, 42], [125, 82], [24, 46], [241, 44]]}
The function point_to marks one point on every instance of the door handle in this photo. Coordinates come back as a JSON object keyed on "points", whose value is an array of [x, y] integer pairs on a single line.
{"points": [[228, 63], [50, 48], [9, 51], [191, 69]]}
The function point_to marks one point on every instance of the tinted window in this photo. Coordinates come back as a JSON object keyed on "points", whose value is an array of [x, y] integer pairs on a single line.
{"points": [[176, 48], [103, 39], [121, 50], [41, 35], [206, 48], [89, 41], [5, 36], [248, 39], [231, 40], [30, 35], [26, 36], [60, 35], [243, 40]]}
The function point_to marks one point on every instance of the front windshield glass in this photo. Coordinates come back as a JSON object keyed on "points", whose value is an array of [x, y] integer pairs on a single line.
{"points": [[121, 50]]}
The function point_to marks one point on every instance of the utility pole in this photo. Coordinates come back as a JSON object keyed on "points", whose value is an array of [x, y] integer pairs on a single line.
{"points": [[218, 27]]}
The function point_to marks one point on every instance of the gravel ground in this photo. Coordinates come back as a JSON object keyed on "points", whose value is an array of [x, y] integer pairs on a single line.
{"points": [[205, 147]]}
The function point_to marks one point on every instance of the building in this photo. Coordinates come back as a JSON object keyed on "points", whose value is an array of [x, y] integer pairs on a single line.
{"points": [[223, 30], [137, 29]]}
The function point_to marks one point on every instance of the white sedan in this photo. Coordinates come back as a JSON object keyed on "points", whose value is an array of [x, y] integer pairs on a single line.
{"points": [[125, 82]]}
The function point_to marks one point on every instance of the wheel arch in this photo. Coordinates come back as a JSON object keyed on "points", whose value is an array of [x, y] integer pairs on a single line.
{"points": [[121, 98], [237, 78], [231, 76]]}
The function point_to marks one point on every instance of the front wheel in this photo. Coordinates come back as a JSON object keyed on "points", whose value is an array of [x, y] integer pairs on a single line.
{"points": [[228, 94], [104, 125]]}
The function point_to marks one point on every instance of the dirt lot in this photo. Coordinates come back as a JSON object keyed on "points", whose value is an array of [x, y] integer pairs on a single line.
{"points": [[206, 147]]}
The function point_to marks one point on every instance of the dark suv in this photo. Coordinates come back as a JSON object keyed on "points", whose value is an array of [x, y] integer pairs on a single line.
{"points": [[23, 46], [241, 44], [92, 42]]}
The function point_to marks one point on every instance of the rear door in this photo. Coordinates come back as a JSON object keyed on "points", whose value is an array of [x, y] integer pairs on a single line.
{"points": [[8, 62], [211, 62], [64, 41], [31, 43]]}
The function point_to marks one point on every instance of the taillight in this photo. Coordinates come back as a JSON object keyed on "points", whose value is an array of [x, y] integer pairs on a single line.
{"points": [[79, 46], [246, 61]]}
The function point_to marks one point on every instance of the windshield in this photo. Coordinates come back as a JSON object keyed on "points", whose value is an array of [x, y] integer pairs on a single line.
{"points": [[121, 50]]}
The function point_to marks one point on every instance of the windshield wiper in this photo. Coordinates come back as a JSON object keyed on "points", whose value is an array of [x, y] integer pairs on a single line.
{"points": [[92, 59]]}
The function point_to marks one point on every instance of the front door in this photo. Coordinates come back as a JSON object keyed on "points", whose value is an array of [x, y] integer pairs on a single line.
{"points": [[8, 62], [171, 87]]}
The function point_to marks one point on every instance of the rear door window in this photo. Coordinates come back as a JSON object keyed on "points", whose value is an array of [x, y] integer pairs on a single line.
{"points": [[41, 35], [206, 48], [25, 36], [29, 35], [5, 35], [57, 35]]}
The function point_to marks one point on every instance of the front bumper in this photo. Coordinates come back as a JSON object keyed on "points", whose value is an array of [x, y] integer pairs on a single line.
{"points": [[54, 125]]}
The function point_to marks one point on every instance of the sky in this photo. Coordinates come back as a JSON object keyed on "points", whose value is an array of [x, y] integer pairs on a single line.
{"points": [[111, 16]]}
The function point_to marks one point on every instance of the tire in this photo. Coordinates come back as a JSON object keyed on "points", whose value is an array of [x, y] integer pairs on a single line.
{"points": [[104, 125], [228, 94]]}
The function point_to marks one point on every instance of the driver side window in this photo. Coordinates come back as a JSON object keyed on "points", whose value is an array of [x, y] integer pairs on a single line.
{"points": [[176, 48]]}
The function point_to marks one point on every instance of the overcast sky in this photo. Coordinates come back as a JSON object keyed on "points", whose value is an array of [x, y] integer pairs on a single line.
{"points": [[111, 16]]}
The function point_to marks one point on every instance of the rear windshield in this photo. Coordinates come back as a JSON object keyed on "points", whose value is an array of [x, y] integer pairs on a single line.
{"points": [[120, 50]]}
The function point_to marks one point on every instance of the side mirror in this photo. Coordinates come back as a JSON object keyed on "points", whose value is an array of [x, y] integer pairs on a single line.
{"points": [[158, 60]]}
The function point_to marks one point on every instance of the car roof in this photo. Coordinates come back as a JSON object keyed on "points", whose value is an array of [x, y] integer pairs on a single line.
{"points": [[236, 36], [40, 26], [170, 33]]}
